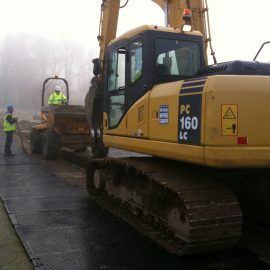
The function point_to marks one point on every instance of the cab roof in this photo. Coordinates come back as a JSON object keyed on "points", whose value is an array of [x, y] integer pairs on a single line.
{"points": [[143, 28]]}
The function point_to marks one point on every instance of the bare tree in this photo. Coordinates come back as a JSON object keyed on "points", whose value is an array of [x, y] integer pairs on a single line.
{"points": [[27, 60]]}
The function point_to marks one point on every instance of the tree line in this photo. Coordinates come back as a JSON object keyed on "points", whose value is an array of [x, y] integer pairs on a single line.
{"points": [[27, 60]]}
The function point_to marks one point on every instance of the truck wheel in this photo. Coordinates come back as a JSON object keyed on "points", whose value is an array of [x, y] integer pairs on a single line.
{"points": [[35, 141], [50, 144]]}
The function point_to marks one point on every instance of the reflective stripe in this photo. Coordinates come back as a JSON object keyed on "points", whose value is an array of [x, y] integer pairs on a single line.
{"points": [[57, 99], [7, 125]]}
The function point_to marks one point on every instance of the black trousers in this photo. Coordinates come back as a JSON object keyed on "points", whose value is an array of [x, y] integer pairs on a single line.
{"points": [[9, 139]]}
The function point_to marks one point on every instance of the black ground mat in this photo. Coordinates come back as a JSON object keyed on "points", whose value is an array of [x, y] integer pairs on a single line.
{"points": [[56, 218], [86, 247], [61, 228], [25, 181], [37, 205], [40, 191]]}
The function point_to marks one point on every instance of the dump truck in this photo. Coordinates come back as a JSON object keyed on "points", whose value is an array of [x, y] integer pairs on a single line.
{"points": [[62, 125]]}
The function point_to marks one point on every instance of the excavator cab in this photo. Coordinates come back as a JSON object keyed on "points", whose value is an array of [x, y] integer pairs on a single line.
{"points": [[135, 64]]}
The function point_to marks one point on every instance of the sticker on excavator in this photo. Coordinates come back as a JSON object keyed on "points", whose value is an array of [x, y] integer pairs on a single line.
{"points": [[189, 131], [229, 120], [190, 106], [163, 114]]}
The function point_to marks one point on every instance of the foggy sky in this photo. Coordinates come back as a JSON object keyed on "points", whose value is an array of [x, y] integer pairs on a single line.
{"points": [[238, 28]]}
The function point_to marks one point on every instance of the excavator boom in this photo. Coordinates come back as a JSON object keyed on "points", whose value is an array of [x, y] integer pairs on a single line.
{"points": [[108, 24], [173, 11]]}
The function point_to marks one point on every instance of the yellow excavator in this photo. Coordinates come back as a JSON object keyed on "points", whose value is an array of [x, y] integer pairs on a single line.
{"points": [[203, 126]]}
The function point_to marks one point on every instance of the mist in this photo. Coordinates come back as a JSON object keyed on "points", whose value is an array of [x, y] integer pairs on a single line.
{"points": [[40, 39], [26, 60]]}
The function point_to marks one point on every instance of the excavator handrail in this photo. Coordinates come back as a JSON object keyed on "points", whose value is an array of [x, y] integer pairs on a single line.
{"points": [[267, 42]]}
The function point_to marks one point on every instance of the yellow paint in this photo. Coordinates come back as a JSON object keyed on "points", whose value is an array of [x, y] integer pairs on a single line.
{"points": [[170, 97], [252, 95], [41, 126], [229, 120], [137, 118], [169, 150], [225, 99], [223, 156]]}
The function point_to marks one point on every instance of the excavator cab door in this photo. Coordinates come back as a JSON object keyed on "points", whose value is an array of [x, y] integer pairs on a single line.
{"points": [[134, 65], [125, 79], [116, 84]]}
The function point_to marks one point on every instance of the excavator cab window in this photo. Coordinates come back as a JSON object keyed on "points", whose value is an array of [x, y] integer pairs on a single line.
{"points": [[116, 85], [116, 69], [136, 61], [177, 58]]}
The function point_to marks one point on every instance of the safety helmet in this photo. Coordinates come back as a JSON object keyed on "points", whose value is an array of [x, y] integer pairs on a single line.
{"points": [[57, 88], [10, 108]]}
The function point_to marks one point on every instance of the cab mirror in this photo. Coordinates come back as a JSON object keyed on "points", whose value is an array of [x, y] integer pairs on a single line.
{"points": [[96, 66]]}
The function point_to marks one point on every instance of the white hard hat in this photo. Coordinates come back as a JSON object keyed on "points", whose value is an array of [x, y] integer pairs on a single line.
{"points": [[57, 88]]}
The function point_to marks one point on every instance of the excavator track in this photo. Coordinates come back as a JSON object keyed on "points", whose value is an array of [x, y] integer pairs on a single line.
{"points": [[183, 208]]}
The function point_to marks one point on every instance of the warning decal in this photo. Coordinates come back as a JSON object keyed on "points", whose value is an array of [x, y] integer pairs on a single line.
{"points": [[229, 114], [229, 121]]}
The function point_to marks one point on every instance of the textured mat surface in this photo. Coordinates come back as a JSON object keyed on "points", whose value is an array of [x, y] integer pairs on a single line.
{"points": [[61, 228], [30, 205]]}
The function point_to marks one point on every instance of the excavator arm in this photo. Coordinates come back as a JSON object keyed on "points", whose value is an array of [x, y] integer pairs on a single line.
{"points": [[173, 10], [107, 25]]}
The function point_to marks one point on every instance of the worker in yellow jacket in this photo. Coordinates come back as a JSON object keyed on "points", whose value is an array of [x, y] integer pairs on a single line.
{"points": [[57, 97], [9, 128]]}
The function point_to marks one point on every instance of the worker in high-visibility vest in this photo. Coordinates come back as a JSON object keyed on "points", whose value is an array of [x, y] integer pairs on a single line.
{"points": [[9, 128], [57, 97]]}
